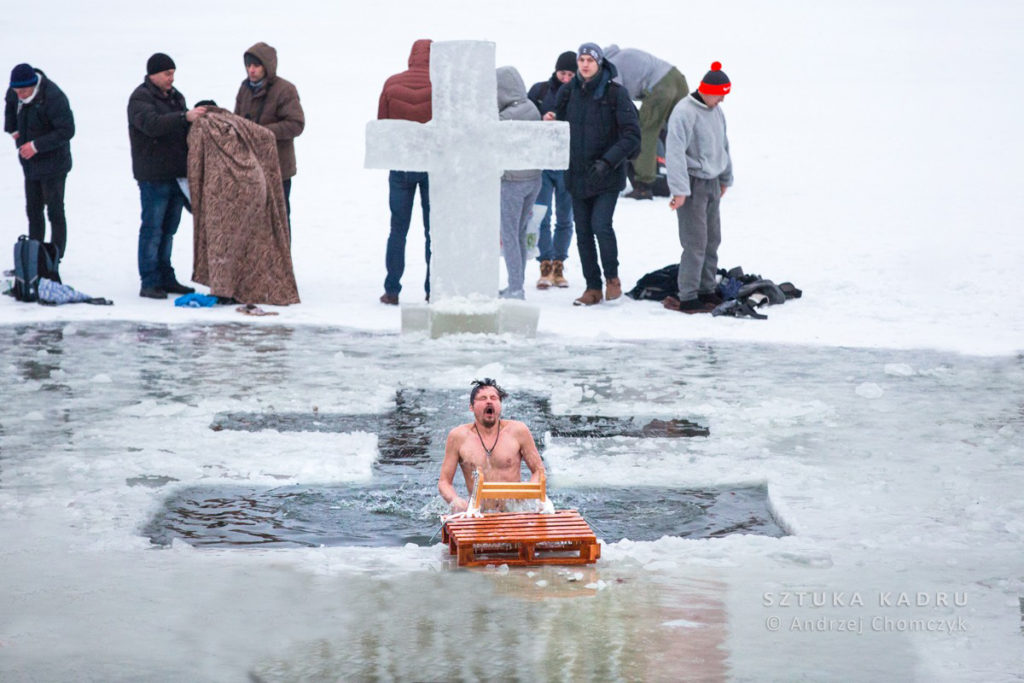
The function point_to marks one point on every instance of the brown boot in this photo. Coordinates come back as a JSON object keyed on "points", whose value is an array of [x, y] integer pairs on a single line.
{"points": [[613, 289], [641, 191], [545, 280], [588, 298], [556, 275]]}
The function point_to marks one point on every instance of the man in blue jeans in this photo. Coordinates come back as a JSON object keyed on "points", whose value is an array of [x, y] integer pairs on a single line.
{"points": [[402, 186], [554, 249], [158, 123], [406, 95]]}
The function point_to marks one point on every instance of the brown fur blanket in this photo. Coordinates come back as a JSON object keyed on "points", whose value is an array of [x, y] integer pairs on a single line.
{"points": [[241, 238]]}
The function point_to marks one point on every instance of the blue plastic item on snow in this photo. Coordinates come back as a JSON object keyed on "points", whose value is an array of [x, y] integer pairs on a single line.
{"points": [[196, 300]]}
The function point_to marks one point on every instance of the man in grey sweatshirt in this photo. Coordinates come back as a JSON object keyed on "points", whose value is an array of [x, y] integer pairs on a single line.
{"points": [[658, 86], [519, 189], [699, 172]]}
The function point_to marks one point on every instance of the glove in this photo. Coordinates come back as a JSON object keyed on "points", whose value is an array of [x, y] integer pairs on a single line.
{"points": [[598, 171]]}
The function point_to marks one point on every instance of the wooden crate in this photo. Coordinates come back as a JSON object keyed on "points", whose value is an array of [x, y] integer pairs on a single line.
{"points": [[521, 538]]}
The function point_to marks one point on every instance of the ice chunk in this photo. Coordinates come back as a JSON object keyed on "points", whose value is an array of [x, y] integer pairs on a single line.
{"points": [[869, 390]]}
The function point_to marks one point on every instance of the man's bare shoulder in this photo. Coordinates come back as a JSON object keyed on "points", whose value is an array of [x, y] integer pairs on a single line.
{"points": [[515, 426], [461, 432]]}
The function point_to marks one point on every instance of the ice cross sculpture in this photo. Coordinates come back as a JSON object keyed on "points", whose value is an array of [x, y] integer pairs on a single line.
{"points": [[465, 149]]}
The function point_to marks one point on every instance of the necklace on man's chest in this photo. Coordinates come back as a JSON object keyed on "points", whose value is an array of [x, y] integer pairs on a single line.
{"points": [[482, 444]]}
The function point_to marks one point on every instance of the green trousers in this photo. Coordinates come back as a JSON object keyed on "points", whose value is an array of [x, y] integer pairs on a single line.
{"points": [[655, 109]]}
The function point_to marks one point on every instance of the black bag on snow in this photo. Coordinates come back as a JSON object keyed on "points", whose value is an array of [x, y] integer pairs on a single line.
{"points": [[657, 285], [32, 260]]}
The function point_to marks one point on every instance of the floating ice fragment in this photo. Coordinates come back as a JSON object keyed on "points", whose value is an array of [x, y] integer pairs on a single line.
{"points": [[102, 378], [542, 583], [899, 369], [816, 560], [574, 576], [682, 623], [503, 569], [869, 390]]}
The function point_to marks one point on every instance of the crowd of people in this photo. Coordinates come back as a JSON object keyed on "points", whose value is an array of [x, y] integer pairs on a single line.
{"points": [[593, 89]]}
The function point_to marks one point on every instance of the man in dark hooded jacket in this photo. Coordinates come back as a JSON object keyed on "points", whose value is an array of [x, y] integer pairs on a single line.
{"points": [[604, 132], [271, 101], [39, 118], [407, 95]]}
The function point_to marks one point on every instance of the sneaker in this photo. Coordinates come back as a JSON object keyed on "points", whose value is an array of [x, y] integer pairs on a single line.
{"points": [[613, 289], [389, 299], [512, 294], [152, 293], [177, 288], [694, 305], [588, 298], [557, 277], [641, 191], [545, 280]]}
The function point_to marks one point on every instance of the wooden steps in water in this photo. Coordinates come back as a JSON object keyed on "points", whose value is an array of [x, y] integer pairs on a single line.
{"points": [[521, 538]]}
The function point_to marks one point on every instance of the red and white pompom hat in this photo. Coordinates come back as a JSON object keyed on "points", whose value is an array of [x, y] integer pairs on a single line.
{"points": [[715, 82]]}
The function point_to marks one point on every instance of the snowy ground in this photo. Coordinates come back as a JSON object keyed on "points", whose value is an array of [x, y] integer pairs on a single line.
{"points": [[876, 150]]}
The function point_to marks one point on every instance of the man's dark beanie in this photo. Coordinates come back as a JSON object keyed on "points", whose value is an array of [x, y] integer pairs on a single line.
{"points": [[22, 76], [715, 82], [251, 59], [158, 63], [566, 62]]}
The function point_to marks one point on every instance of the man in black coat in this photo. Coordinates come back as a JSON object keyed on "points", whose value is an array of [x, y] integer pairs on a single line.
{"points": [[158, 123], [39, 118], [604, 131]]}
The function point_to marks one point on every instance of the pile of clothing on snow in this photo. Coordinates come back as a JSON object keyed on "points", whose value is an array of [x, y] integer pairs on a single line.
{"points": [[741, 294]]}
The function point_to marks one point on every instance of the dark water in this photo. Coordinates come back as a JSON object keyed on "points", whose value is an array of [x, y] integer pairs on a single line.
{"points": [[398, 514]]}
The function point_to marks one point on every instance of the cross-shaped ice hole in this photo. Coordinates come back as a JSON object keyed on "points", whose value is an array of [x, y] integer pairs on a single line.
{"points": [[416, 427]]}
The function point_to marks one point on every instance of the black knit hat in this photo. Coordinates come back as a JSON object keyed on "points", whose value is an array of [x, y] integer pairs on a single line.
{"points": [[23, 75], [715, 82], [159, 63], [251, 59], [566, 62]]}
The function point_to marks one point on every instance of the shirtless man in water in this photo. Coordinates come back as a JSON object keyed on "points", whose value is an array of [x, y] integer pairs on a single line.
{"points": [[495, 446]]}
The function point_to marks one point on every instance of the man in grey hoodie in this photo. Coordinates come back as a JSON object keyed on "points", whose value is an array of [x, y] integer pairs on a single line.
{"points": [[699, 172], [658, 86], [519, 189]]}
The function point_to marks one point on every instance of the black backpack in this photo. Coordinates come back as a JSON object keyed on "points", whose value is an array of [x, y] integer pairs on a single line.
{"points": [[33, 260]]}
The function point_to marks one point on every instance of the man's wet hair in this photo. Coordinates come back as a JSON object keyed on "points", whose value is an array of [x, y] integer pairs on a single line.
{"points": [[479, 384]]}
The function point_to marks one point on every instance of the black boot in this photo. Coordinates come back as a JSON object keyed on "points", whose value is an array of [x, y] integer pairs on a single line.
{"points": [[641, 191], [177, 288]]}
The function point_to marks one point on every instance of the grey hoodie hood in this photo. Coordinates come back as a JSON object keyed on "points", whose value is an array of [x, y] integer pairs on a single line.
{"points": [[513, 105], [511, 90]]}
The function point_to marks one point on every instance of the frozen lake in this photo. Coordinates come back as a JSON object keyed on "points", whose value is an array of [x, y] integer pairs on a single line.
{"points": [[893, 471]]}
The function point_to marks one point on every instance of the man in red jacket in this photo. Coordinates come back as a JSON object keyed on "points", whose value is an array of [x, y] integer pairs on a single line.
{"points": [[406, 95]]}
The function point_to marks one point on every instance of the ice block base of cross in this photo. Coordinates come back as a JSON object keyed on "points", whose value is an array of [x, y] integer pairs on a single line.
{"points": [[464, 315]]}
